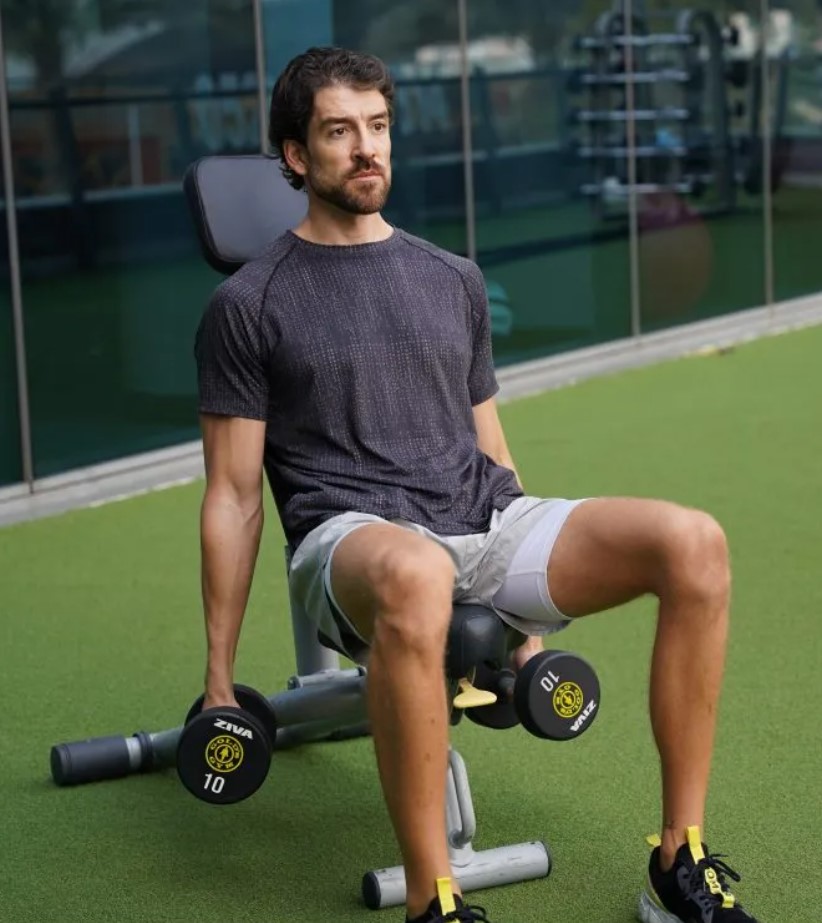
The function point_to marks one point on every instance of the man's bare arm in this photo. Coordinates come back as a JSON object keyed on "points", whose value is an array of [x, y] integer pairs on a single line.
{"points": [[231, 523], [491, 440], [490, 436]]}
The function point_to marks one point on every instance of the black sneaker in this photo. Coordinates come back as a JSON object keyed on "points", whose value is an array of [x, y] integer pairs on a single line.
{"points": [[448, 907], [693, 890]]}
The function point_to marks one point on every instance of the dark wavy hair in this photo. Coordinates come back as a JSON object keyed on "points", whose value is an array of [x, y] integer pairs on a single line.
{"points": [[292, 101]]}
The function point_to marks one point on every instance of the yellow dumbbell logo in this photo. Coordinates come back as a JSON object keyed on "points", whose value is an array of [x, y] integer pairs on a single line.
{"points": [[224, 753], [567, 700]]}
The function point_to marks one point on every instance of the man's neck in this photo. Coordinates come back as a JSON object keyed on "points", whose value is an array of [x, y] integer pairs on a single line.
{"points": [[341, 229]]}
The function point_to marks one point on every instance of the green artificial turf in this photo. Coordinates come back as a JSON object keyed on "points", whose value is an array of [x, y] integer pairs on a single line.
{"points": [[101, 633]]}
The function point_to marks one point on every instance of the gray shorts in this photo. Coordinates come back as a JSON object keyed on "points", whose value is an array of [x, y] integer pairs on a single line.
{"points": [[503, 568]]}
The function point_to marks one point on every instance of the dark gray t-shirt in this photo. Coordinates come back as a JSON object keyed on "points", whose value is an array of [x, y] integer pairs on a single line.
{"points": [[365, 362]]}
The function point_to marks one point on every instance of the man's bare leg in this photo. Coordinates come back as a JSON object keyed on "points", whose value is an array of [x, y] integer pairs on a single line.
{"points": [[397, 588], [614, 550]]}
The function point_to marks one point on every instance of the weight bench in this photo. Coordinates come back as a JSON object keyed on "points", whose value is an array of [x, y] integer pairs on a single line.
{"points": [[239, 204]]}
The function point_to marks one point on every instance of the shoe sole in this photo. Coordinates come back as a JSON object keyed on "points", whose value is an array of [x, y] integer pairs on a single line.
{"points": [[650, 912]]}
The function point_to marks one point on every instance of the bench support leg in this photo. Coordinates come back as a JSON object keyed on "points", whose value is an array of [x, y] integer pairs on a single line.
{"points": [[473, 869]]}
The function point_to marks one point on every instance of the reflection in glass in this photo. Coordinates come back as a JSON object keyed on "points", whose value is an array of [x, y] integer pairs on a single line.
{"points": [[109, 103], [556, 269], [699, 201], [795, 63]]}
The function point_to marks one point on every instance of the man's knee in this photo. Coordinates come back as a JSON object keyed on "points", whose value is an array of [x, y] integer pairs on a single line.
{"points": [[413, 589], [696, 557]]}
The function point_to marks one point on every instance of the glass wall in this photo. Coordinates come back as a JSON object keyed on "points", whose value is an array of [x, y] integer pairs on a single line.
{"points": [[10, 454], [109, 103], [110, 100], [794, 42]]}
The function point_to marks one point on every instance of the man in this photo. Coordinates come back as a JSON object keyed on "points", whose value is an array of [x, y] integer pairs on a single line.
{"points": [[353, 362]]}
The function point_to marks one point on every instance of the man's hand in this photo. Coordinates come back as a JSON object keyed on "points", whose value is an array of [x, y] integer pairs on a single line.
{"points": [[522, 654], [219, 701]]}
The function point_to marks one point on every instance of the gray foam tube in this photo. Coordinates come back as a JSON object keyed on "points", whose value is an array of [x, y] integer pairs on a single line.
{"points": [[96, 759]]}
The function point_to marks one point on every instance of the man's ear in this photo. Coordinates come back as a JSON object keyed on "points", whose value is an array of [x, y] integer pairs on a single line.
{"points": [[296, 156]]}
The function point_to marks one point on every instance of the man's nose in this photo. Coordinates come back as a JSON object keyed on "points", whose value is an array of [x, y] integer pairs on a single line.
{"points": [[366, 146]]}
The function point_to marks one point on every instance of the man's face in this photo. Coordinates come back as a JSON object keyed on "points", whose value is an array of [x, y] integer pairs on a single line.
{"points": [[347, 157]]}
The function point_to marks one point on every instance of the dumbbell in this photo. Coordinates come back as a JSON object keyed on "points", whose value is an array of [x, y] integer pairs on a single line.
{"points": [[224, 754], [554, 696]]}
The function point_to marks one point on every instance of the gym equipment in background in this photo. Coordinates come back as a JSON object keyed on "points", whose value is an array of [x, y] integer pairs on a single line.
{"points": [[654, 111]]}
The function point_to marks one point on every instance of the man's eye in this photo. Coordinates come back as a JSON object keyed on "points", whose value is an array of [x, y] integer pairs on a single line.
{"points": [[380, 126], [338, 132]]}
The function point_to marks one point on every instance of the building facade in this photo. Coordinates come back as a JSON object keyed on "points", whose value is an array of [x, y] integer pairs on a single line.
{"points": [[615, 168]]}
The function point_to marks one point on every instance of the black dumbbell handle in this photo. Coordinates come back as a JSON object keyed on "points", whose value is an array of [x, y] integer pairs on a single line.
{"points": [[503, 684]]}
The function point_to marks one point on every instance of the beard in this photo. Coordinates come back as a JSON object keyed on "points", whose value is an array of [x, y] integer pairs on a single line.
{"points": [[355, 198]]}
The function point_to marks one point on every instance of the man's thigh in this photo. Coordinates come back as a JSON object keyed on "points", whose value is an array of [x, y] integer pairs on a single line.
{"points": [[613, 550], [380, 566], [336, 573]]}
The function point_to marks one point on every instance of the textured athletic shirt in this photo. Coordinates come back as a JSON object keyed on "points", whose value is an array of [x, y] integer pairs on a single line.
{"points": [[365, 362]]}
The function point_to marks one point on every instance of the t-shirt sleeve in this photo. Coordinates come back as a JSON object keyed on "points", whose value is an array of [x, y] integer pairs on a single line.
{"points": [[231, 359], [482, 380]]}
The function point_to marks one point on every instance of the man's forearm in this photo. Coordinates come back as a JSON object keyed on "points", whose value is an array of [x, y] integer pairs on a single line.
{"points": [[230, 539], [503, 457]]}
